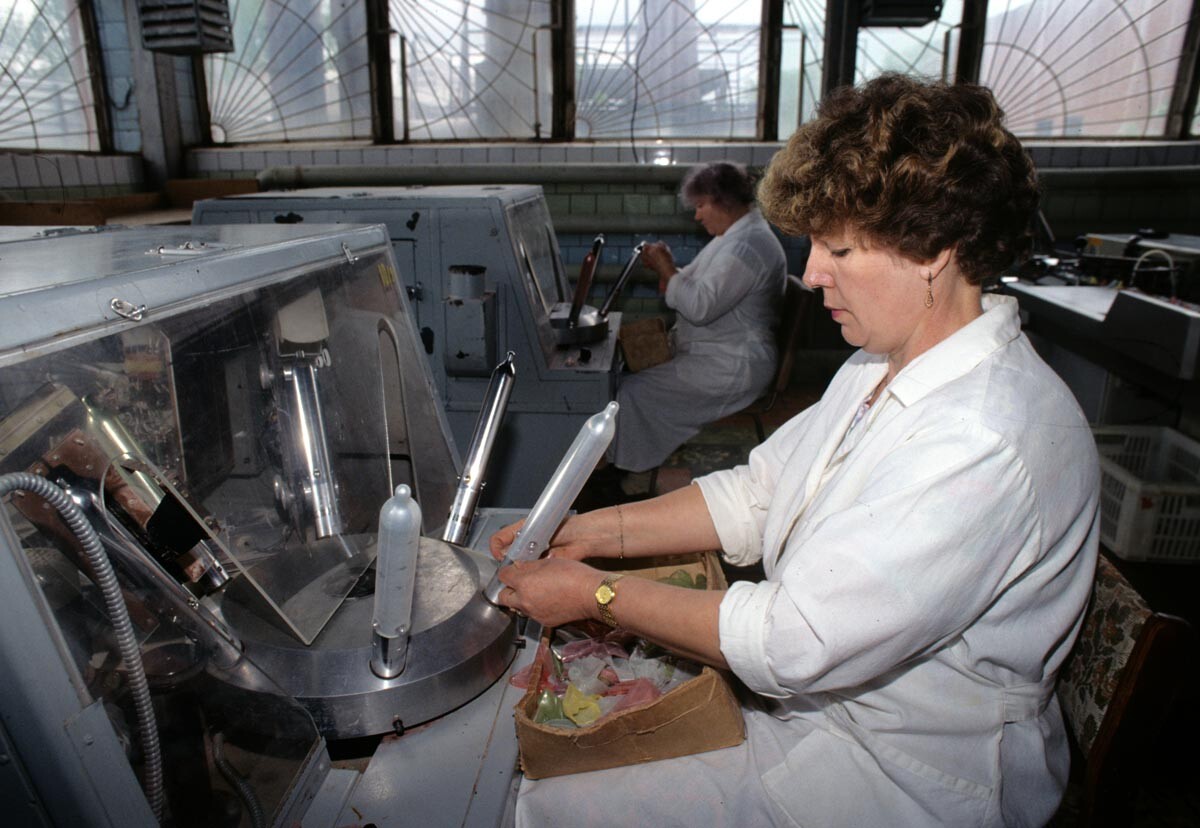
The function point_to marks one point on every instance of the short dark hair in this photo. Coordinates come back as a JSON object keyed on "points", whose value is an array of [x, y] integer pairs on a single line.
{"points": [[911, 165], [724, 183]]}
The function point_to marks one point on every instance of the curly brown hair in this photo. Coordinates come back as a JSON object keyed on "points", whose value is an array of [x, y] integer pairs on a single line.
{"points": [[915, 166]]}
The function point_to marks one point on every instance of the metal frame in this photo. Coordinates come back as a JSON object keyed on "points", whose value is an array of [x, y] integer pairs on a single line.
{"points": [[1187, 82], [840, 50]]}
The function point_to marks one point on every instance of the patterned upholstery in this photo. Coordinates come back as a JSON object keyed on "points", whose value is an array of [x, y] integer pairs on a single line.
{"points": [[1090, 677]]}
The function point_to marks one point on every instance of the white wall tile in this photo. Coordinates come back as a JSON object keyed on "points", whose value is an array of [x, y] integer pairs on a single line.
{"points": [[254, 162], [27, 172], [350, 157], [277, 158], [68, 170], [8, 172], [375, 156], [500, 155], [578, 153], [526, 155], [300, 158], [606, 154], [107, 169], [450, 156], [89, 171], [229, 160], [399, 156], [325, 156], [553, 154], [475, 155], [424, 155], [687, 155]]}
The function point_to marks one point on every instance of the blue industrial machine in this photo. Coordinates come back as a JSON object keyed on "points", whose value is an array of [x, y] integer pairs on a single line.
{"points": [[198, 429], [484, 276]]}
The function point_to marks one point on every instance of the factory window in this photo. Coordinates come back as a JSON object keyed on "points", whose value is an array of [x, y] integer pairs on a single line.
{"points": [[470, 69], [300, 72], [802, 54], [911, 50], [1093, 68], [46, 95], [666, 68]]}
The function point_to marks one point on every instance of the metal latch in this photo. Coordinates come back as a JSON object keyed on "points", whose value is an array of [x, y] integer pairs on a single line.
{"points": [[188, 248], [126, 309]]}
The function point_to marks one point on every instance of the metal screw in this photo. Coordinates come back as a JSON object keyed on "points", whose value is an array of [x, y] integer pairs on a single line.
{"points": [[397, 726]]}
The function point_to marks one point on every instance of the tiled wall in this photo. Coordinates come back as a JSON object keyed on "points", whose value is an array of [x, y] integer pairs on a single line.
{"points": [[238, 162], [55, 176], [234, 163], [118, 69]]}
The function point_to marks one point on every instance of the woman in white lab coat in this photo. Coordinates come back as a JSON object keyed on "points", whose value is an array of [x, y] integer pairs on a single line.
{"points": [[726, 302], [928, 530]]}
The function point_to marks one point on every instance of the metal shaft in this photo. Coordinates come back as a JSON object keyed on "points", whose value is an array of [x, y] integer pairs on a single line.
{"points": [[487, 427], [622, 279]]}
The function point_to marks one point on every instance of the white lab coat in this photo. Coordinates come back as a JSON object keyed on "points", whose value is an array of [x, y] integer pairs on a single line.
{"points": [[926, 578], [726, 302]]}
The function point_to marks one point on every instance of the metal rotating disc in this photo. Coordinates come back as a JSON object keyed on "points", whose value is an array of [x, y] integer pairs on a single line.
{"points": [[460, 644]]}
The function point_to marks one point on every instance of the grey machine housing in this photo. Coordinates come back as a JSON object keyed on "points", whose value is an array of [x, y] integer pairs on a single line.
{"points": [[218, 377], [483, 271]]}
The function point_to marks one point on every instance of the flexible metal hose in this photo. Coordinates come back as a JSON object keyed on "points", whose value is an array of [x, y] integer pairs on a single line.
{"points": [[118, 616], [244, 791]]}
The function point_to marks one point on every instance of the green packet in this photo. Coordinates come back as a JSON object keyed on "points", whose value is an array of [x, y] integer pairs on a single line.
{"points": [[683, 578]]}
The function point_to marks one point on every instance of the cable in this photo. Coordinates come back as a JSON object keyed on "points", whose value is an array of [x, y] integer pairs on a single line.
{"points": [[118, 616], [240, 785], [1170, 267]]}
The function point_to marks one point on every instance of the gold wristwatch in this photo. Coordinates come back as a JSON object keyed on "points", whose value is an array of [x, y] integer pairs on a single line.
{"points": [[605, 593]]}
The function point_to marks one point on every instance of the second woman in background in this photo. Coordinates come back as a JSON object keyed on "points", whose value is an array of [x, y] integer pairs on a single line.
{"points": [[726, 302]]}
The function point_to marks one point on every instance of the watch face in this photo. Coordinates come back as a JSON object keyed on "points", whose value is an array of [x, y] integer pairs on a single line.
{"points": [[605, 594]]}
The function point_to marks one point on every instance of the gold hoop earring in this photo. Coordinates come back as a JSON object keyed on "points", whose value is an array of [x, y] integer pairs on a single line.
{"points": [[929, 290]]}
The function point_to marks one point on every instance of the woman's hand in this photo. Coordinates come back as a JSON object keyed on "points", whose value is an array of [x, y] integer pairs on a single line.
{"points": [[566, 542], [552, 591], [657, 256]]}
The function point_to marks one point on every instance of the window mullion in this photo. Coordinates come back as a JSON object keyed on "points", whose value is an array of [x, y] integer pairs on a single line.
{"points": [[383, 122], [91, 39], [562, 23], [770, 65], [970, 41], [1187, 80]]}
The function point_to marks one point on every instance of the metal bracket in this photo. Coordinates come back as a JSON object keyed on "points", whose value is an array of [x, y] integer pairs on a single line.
{"points": [[350, 257], [188, 248], [127, 310]]}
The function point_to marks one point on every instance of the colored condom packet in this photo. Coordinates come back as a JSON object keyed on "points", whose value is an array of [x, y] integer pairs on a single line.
{"points": [[580, 708]]}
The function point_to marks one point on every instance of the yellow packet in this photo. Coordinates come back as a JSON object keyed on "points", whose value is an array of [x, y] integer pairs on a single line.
{"points": [[580, 708]]}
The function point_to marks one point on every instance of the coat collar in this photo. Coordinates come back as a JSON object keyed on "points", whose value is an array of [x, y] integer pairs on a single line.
{"points": [[959, 353]]}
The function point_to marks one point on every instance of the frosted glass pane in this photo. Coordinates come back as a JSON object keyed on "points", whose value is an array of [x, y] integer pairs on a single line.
{"points": [[299, 72], [666, 68], [45, 94], [469, 68], [1091, 68]]}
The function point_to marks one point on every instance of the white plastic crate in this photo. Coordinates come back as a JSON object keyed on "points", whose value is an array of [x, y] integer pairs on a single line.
{"points": [[1149, 493]]}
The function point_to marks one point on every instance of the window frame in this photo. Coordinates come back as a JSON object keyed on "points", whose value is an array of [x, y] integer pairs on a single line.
{"points": [[839, 50]]}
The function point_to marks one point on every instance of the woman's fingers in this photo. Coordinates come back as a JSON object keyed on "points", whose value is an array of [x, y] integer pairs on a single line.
{"points": [[501, 539]]}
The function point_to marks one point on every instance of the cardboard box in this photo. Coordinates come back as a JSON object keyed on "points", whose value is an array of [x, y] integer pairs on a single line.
{"points": [[697, 716]]}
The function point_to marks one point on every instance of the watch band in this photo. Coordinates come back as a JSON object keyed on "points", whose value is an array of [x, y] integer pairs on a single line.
{"points": [[605, 594]]}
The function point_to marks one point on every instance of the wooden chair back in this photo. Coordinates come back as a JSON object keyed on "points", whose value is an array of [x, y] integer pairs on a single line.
{"points": [[1116, 690]]}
